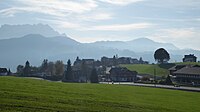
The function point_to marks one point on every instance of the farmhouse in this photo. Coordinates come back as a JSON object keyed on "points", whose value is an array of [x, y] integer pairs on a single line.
{"points": [[122, 74], [190, 58], [175, 68], [190, 74], [107, 61], [3, 71]]}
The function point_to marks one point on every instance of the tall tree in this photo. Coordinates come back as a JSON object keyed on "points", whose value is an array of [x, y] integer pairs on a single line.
{"points": [[51, 68], [68, 75], [59, 66], [44, 66], [94, 76], [115, 61], [84, 70], [20, 69], [27, 69], [161, 55], [9, 72]]}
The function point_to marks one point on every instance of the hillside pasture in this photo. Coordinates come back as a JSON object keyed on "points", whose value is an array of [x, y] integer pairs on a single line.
{"points": [[25, 94]]}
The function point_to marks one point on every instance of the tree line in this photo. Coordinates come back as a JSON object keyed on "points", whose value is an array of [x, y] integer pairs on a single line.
{"points": [[54, 71]]}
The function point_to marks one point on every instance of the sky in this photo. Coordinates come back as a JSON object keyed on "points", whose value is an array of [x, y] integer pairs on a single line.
{"points": [[168, 21]]}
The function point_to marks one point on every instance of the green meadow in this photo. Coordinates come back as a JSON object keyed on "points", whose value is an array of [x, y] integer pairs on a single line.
{"points": [[25, 94], [148, 69], [160, 70]]}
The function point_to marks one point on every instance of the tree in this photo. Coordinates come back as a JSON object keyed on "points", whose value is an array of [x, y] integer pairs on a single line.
{"points": [[27, 69], [59, 67], [94, 76], [44, 66], [9, 72], [20, 69], [68, 76], [84, 70], [115, 62], [168, 80], [51, 68], [161, 55]]}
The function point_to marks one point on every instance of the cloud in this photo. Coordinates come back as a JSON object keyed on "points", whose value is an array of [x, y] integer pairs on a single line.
{"points": [[192, 19], [50, 7], [174, 4], [182, 37], [96, 16], [62, 23], [121, 2], [121, 27]]}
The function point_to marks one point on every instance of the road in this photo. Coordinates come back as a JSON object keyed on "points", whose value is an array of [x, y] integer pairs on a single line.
{"points": [[194, 89]]}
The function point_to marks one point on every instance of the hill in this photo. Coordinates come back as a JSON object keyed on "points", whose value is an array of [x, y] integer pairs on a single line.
{"points": [[24, 94], [137, 45], [160, 70], [144, 47], [149, 69]]}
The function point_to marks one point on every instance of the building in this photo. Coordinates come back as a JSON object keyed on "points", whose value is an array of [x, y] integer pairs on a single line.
{"points": [[124, 60], [3, 71], [105, 61], [122, 74], [82, 69], [175, 68], [187, 75], [190, 58]]}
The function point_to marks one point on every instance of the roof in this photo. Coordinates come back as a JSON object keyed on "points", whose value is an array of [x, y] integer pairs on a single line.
{"points": [[3, 70], [189, 71], [177, 67], [122, 70], [88, 59], [190, 56]]}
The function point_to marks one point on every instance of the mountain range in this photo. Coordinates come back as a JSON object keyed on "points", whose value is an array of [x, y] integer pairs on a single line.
{"points": [[35, 44]]}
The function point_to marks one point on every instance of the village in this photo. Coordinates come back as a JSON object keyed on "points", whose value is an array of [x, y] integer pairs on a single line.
{"points": [[110, 70]]}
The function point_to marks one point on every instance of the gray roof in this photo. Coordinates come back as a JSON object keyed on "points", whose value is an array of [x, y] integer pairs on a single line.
{"points": [[3, 70], [189, 71], [177, 67]]}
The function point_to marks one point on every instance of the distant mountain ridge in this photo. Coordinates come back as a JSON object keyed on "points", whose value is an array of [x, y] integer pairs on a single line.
{"points": [[37, 46], [14, 31], [137, 45]]}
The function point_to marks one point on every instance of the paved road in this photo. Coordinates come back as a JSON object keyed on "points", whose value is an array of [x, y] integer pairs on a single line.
{"points": [[157, 86]]}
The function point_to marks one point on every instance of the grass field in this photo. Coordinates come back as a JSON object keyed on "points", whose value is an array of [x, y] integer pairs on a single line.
{"points": [[161, 70], [24, 94], [147, 69]]}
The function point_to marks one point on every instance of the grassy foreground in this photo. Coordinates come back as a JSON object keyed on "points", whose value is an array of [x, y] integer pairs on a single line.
{"points": [[24, 94]]}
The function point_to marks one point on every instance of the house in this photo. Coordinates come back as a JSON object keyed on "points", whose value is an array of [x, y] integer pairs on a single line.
{"points": [[82, 69], [189, 75], [79, 75], [190, 58], [124, 60], [3, 71], [122, 74], [175, 68], [107, 61], [88, 62]]}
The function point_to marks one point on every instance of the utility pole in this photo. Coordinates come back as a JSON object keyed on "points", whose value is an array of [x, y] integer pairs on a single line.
{"points": [[155, 77]]}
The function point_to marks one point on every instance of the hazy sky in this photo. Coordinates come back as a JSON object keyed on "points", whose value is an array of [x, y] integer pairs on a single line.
{"points": [[173, 21]]}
